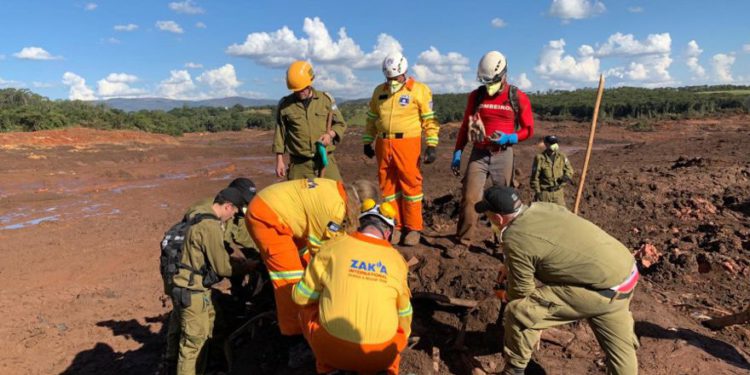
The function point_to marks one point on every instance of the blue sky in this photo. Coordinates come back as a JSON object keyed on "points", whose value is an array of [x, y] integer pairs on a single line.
{"points": [[195, 49]]}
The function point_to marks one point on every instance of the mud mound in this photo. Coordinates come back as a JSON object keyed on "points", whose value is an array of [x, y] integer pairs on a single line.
{"points": [[80, 137]]}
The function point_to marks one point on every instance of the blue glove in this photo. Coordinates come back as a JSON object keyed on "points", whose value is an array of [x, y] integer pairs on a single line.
{"points": [[503, 139], [456, 162]]}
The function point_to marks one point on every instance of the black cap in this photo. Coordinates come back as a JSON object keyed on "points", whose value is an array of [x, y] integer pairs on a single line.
{"points": [[551, 139], [246, 186], [230, 195], [500, 200]]}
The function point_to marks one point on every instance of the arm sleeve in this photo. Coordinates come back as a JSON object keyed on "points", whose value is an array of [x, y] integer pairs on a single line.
{"points": [[405, 311], [307, 290], [338, 125], [213, 240], [463, 133], [568, 168], [427, 116], [520, 273], [527, 117], [534, 179], [372, 118], [279, 135]]}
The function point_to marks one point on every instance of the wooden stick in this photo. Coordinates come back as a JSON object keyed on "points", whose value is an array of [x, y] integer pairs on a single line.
{"points": [[329, 125], [725, 321], [591, 143]]}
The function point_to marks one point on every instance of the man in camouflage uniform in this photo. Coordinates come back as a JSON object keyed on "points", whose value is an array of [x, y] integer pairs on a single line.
{"points": [[550, 172], [301, 121], [585, 272], [192, 319]]}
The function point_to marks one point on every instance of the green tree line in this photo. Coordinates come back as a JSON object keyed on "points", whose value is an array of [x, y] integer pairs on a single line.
{"points": [[23, 110]]}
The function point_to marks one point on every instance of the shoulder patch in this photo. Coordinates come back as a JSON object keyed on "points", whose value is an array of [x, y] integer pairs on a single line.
{"points": [[333, 101]]}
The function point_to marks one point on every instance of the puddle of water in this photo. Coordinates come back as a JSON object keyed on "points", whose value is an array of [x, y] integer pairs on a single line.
{"points": [[31, 222], [7, 218], [174, 176], [121, 189], [222, 178]]}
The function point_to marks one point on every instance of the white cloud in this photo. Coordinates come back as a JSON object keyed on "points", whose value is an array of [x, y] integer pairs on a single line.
{"points": [[443, 73], [281, 47], [647, 61], [620, 44], [128, 27], [746, 48], [112, 40], [78, 89], [498, 23], [560, 69], [42, 85], [635, 9], [200, 25], [575, 9], [170, 26], [523, 82], [35, 53], [722, 64], [11, 83], [90, 6], [693, 52], [192, 65], [118, 85], [221, 81], [342, 81], [186, 7], [179, 85]]}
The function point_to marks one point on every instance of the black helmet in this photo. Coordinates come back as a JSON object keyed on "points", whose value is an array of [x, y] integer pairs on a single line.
{"points": [[246, 186], [550, 140]]}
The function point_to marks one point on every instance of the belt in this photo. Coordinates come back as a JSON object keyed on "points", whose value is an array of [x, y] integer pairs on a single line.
{"points": [[613, 294], [392, 135], [302, 158], [553, 189], [491, 147]]}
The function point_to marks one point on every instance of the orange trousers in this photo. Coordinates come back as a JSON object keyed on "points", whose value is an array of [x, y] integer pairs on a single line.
{"points": [[280, 253], [400, 179], [333, 353]]}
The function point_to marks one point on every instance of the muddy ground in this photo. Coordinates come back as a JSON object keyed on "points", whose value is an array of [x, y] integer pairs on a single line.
{"points": [[81, 212]]}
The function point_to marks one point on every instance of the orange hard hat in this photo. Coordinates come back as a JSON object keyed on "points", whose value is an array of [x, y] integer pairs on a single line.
{"points": [[299, 75]]}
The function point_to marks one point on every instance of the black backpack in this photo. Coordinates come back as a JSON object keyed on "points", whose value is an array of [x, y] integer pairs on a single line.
{"points": [[512, 96], [171, 249]]}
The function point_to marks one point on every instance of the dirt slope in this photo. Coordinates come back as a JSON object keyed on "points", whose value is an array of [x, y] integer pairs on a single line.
{"points": [[81, 212]]}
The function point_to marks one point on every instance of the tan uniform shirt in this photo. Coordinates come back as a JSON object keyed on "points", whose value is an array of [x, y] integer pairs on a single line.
{"points": [[298, 127]]}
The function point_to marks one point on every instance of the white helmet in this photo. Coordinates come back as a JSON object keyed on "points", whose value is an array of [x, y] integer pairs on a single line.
{"points": [[394, 65], [491, 68]]}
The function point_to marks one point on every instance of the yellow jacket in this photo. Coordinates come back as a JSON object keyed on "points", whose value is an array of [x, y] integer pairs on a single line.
{"points": [[308, 207], [360, 284], [408, 111]]}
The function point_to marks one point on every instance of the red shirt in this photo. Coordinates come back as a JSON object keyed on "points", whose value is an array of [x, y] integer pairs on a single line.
{"points": [[497, 115]]}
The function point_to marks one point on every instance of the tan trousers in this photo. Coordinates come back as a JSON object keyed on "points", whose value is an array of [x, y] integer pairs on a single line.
{"points": [[482, 163]]}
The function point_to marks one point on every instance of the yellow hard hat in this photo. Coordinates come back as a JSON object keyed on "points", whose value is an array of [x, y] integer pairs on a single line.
{"points": [[299, 75], [384, 211]]}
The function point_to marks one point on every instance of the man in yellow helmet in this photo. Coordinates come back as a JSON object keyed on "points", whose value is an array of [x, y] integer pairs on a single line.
{"points": [[308, 127], [399, 110], [358, 311]]}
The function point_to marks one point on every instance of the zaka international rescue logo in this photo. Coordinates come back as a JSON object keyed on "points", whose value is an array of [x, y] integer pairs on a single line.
{"points": [[403, 100], [372, 271]]}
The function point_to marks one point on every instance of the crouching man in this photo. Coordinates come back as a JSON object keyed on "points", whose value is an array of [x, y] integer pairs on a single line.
{"points": [[358, 310], [587, 274]]}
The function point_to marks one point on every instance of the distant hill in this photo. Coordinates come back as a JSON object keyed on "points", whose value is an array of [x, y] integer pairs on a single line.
{"points": [[156, 104]]}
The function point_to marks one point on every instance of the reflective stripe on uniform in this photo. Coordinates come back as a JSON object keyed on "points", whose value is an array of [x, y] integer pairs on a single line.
{"points": [[286, 275], [303, 251], [392, 197], [432, 141], [406, 311], [306, 291], [427, 115], [413, 198], [367, 138], [371, 115], [314, 240]]}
